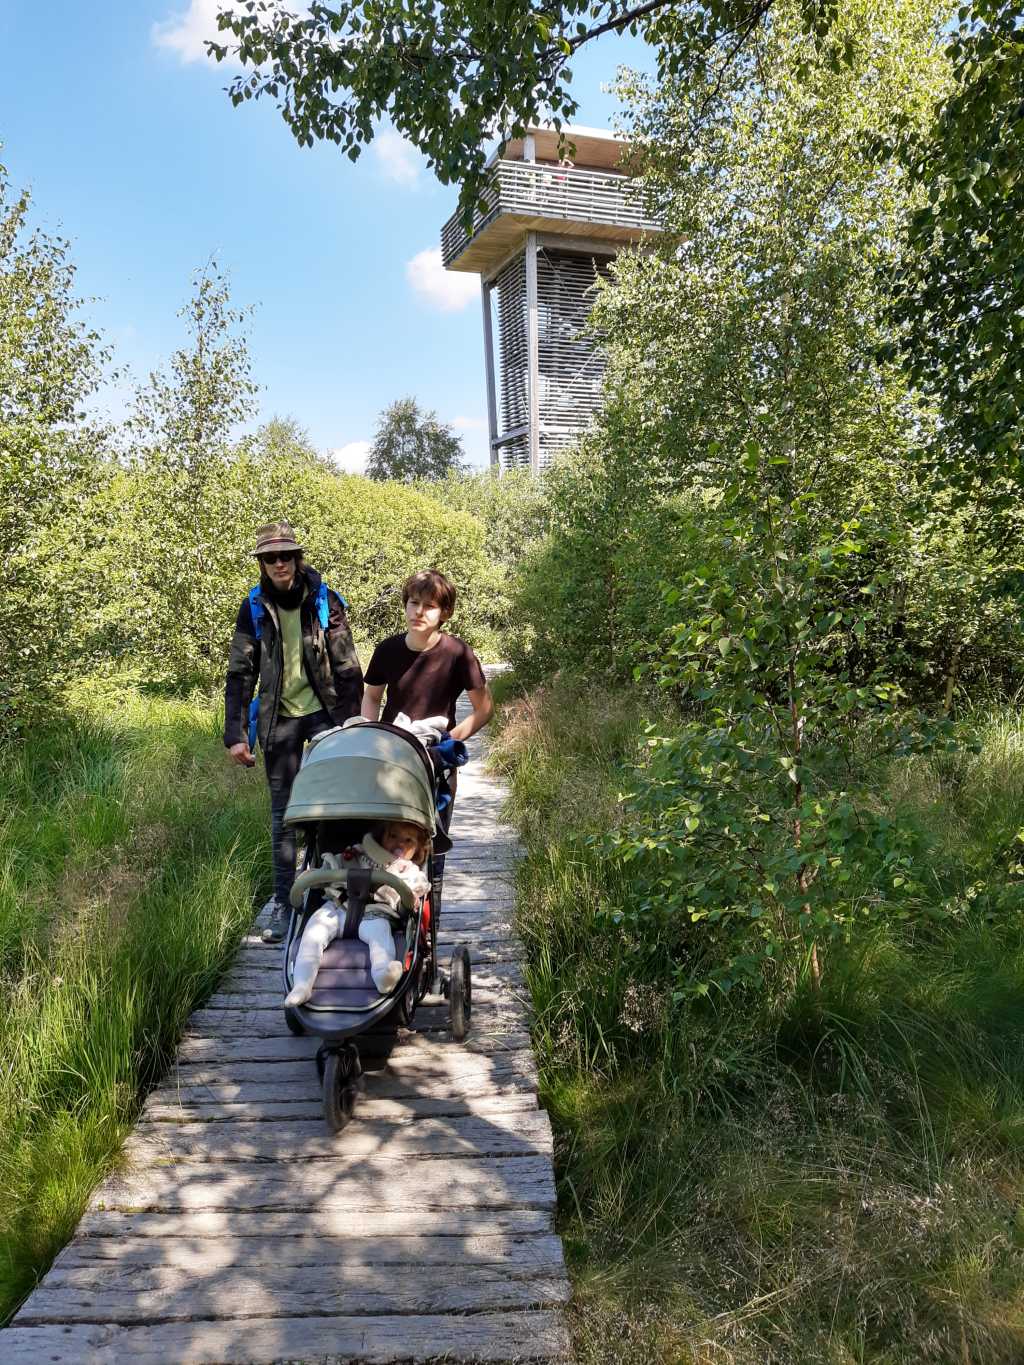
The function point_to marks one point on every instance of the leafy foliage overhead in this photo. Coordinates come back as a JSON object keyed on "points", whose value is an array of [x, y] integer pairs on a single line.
{"points": [[961, 293], [452, 77]]}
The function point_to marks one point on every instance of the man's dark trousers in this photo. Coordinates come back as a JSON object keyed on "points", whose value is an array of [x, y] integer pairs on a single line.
{"points": [[282, 759]]}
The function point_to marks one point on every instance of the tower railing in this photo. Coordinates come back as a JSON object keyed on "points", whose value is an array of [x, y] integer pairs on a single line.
{"points": [[534, 190]]}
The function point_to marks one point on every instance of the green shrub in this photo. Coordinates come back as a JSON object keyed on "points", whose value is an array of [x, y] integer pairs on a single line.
{"points": [[774, 1176], [589, 596], [165, 579], [50, 364], [513, 508]]}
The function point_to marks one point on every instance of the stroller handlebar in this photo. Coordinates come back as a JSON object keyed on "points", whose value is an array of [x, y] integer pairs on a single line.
{"points": [[315, 877]]}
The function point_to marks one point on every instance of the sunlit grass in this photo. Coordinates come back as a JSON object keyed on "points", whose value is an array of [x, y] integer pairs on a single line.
{"points": [[773, 1176], [130, 860]]}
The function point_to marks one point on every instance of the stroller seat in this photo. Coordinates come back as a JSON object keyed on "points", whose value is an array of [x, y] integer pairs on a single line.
{"points": [[343, 981]]}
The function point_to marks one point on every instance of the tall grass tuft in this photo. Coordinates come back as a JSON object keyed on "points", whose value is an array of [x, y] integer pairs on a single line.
{"points": [[128, 866], [773, 1176]]}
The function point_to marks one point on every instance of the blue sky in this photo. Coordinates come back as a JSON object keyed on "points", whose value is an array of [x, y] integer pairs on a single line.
{"points": [[122, 130]]}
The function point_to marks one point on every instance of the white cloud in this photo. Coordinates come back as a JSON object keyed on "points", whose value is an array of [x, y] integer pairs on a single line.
{"points": [[469, 423], [397, 158], [448, 290], [351, 458], [188, 31]]}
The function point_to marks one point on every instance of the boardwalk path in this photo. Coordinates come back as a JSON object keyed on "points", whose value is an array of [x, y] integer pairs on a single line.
{"points": [[240, 1231]]}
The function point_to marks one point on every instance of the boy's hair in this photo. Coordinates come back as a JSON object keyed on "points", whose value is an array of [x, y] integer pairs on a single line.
{"points": [[431, 584], [421, 836]]}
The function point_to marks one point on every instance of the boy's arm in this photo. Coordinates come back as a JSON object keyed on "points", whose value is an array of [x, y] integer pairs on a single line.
{"points": [[483, 709], [371, 701]]}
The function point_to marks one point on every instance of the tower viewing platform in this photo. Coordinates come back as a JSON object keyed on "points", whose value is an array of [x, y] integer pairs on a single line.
{"points": [[593, 197], [541, 239]]}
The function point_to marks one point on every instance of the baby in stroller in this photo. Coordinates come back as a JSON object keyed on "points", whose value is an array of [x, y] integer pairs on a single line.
{"points": [[398, 847]]}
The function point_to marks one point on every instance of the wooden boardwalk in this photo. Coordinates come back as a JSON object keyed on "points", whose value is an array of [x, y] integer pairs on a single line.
{"points": [[238, 1230]]}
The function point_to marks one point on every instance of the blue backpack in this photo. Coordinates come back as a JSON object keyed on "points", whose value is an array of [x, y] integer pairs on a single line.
{"points": [[257, 610]]}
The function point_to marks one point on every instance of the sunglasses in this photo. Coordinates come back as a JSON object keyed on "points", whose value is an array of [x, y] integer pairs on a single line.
{"points": [[278, 557]]}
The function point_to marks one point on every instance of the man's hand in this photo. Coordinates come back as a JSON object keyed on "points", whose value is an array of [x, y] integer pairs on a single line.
{"points": [[242, 755]]}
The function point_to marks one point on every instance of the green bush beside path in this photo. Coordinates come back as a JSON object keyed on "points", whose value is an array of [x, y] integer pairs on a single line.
{"points": [[131, 856], [777, 1174]]}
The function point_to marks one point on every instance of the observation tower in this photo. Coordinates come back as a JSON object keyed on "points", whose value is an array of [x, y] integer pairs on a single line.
{"points": [[544, 233]]}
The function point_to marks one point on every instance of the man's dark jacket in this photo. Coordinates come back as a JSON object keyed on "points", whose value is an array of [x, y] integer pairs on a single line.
{"points": [[329, 661]]}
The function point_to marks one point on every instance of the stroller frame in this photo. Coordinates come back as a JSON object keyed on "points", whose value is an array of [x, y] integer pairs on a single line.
{"points": [[376, 1020]]}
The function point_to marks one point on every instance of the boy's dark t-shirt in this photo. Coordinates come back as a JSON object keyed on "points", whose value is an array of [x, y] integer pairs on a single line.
{"points": [[424, 682]]}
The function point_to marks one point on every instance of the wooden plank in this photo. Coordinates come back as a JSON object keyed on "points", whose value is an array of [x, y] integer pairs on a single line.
{"points": [[326, 1222], [297, 1139], [378, 1088], [407, 1073], [347, 1182], [489, 1017], [489, 969], [493, 1013], [420, 1064], [382, 1095], [136, 1294], [194, 1048], [475, 888], [536, 1251], [484, 992], [267, 1341], [309, 1105], [265, 959]]}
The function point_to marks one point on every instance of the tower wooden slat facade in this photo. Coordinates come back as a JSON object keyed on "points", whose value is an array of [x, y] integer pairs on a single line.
{"points": [[545, 233]]}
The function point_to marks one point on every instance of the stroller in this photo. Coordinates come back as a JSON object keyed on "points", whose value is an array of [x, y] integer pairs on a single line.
{"points": [[351, 779]]}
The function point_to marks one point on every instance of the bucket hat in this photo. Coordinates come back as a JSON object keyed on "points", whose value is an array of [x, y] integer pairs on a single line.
{"points": [[277, 536]]}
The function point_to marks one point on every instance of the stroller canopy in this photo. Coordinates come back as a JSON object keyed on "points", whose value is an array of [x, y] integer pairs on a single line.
{"points": [[371, 772]]}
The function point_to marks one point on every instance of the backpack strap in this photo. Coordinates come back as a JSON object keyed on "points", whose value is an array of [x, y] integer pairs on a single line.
{"points": [[256, 611], [253, 728], [323, 604], [323, 607]]}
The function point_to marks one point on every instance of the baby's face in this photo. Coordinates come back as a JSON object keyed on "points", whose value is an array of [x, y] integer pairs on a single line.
{"points": [[399, 842]]}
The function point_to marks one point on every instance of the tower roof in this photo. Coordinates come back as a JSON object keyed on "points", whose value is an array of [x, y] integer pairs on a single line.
{"points": [[596, 148]]}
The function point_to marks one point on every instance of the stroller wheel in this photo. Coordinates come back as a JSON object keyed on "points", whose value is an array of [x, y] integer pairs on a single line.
{"points": [[407, 1003], [460, 994], [293, 1021], [341, 1075]]}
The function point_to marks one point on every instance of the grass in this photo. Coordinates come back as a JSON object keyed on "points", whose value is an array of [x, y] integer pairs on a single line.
{"points": [[769, 1178], [129, 859]]}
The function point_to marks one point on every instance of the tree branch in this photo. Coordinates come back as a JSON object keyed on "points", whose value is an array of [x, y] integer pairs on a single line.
{"points": [[621, 21]]}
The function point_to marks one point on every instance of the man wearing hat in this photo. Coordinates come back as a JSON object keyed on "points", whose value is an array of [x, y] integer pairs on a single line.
{"points": [[309, 679]]}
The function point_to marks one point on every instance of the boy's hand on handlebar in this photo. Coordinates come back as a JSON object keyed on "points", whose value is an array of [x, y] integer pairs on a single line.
{"points": [[242, 754]]}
